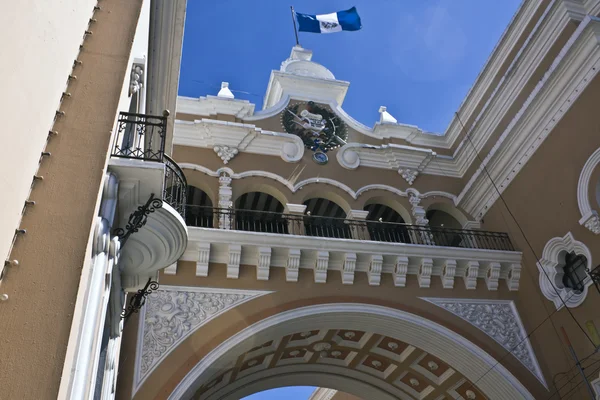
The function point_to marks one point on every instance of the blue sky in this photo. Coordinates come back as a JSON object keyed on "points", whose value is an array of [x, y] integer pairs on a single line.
{"points": [[285, 393], [417, 57]]}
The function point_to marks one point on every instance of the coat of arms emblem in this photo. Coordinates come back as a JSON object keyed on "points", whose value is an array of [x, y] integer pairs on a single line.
{"points": [[320, 129]]}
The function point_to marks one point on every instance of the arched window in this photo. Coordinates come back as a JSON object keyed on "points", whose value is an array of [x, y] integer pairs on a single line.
{"points": [[326, 219], [386, 225], [259, 212], [199, 208], [445, 229]]}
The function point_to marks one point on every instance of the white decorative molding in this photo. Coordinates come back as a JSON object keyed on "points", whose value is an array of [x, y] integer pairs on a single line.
{"points": [[233, 265], [551, 270], [321, 265], [400, 271], [171, 269], [322, 394], [514, 277], [425, 270], [492, 275], [349, 267], [408, 175], [171, 314], [570, 73], [388, 156], [375, 269], [160, 243], [420, 332], [225, 202], [500, 320], [245, 138], [263, 263], [292, 265], [589, 216], [136, 80], [202, 260], [294, 252], [448, 274], [470, 275], [327, 181], [211, 106], [225, 91], [385, 117], [225, 153]]}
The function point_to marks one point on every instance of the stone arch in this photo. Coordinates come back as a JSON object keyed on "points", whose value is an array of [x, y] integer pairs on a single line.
{"points": [[588, 187], [208, 185], [450, 210], [392, 203], [413, 330], [254, 185], [331, 195]]}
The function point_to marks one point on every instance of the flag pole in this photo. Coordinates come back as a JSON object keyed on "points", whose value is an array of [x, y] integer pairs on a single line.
{"points": [[295, 28]]}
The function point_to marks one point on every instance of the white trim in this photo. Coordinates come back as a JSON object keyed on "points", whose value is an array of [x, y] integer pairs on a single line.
{"points": [[322, 394], [551, 271], [570, 73], [470, 360], [589, 216], [294, 188], [500, 336], [138, 377], [238, 137]]}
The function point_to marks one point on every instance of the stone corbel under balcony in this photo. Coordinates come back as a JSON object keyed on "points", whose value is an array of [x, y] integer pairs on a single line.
{"points": [[407, 264], [145, 172], [236, 138]]}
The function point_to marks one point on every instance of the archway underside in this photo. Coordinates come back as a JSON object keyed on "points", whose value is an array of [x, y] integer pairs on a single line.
{"points": [[356, 362]]}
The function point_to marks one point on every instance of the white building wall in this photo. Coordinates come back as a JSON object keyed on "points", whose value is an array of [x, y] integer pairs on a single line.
{"points": [[40, 42]]}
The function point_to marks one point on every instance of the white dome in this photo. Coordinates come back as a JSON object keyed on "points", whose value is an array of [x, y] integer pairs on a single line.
{"points": [[300, 64], [306, 68]]}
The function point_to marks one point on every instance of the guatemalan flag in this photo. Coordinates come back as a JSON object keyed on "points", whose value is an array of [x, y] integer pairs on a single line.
{"points": [[327, 23]]}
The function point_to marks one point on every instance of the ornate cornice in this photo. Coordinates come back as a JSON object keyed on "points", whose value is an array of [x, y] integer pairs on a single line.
{"points": [[171, 314], [589, 216], [499, 320]]}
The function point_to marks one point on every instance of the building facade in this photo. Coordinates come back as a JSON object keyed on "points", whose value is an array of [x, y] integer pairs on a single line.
{"points": [[166, 247]]}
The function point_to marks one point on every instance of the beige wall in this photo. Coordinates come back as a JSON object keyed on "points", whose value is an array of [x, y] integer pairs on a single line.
{"points": [[41, 39], [36, 319], [543, 199]]}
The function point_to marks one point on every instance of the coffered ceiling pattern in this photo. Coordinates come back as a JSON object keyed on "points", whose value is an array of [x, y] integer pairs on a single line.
{"points": [[393, 363]]}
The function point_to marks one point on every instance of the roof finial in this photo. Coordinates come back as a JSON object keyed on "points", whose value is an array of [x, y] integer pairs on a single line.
{"points": [[385, 117], [225, 92]]}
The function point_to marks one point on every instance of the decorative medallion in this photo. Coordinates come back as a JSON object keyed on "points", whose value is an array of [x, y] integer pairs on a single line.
{"points": [[320, 129]]}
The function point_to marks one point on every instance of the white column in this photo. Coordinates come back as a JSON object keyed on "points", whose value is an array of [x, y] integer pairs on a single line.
{"points": [[225, 203]]}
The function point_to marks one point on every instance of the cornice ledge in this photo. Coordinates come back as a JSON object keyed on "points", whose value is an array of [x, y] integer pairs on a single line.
{"points": [[407, 160], [571, 72], [241, 137], [212, 105]]}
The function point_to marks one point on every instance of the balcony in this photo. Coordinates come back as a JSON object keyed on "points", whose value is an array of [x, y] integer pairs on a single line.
{"points": [[293, 241], [145, 172]]}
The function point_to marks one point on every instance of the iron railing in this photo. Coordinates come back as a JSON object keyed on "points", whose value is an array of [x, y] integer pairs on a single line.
{"points": [[140, 136], [342, 228], [175, 191]]}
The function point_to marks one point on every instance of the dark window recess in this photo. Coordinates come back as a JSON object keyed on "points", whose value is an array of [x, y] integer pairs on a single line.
{"points": [[575, 272]]}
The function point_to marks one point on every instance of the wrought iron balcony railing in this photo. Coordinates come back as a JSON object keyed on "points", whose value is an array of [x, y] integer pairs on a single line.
{"points": [[175, 191], [341, 228], [140, 137]]}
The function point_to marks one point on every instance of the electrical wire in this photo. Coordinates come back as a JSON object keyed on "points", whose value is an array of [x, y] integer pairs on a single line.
{"points": [[501, 197], [582, 381], [484, 168]]}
